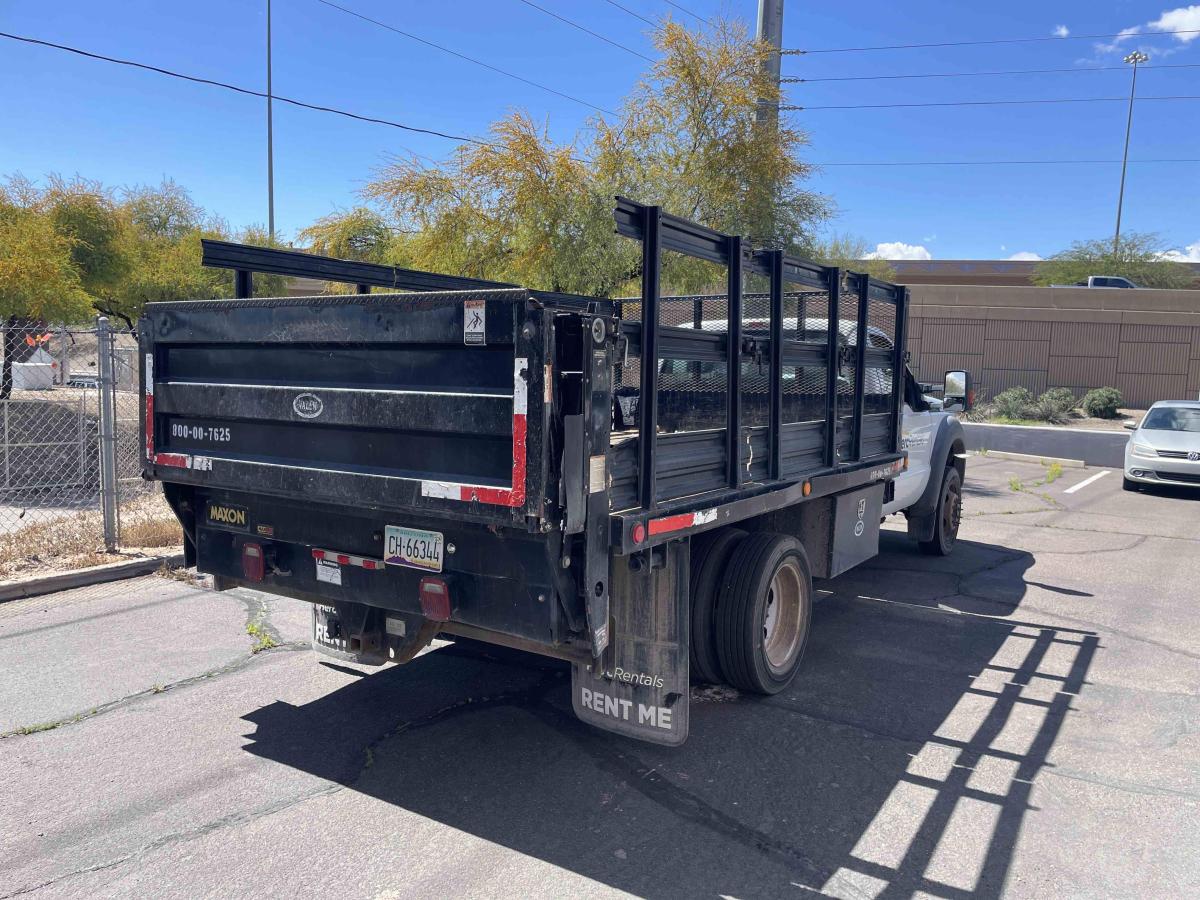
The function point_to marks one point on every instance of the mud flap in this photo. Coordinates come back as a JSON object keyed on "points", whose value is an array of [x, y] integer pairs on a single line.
{"points": [[639, 686]]}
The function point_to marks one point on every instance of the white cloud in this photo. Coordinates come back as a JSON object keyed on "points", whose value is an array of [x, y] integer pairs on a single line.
{"points": [[1185, 18], [1025, 256], [1189, 254], [899, 250], [1181, 19], [1061, 31]]}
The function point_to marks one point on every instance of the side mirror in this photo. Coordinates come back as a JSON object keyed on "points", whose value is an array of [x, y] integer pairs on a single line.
{"points": [[958, 393]]}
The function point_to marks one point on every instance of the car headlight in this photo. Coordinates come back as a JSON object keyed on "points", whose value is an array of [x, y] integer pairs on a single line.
{"points": [[1144, 450]]}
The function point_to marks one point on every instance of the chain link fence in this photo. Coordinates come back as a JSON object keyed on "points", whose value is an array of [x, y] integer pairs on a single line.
{"points": [[70, 478]]}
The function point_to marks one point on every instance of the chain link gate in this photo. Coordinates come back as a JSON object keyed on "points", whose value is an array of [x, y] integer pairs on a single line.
{"points": [[70, 480]]}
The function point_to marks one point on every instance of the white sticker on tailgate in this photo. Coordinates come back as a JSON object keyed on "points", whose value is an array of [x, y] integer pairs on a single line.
{"points": [[413, 547], [329, 572]]}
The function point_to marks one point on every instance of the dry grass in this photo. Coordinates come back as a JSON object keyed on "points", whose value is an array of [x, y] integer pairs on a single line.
{"points": [[76, 540]]}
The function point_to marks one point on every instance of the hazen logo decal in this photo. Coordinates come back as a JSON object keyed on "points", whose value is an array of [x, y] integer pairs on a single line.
{"points": [[308, 406], [232, 516]]}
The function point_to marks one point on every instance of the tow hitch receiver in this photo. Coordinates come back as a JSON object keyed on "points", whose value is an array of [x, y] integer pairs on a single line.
{"points": [[639, 686], [367, 635]]}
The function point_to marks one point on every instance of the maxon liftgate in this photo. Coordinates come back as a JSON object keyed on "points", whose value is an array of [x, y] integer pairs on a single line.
{"points": [[643, 488]]}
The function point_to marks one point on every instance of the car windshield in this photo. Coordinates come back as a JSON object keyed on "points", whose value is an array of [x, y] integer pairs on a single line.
{"points": [[1173, 418]]}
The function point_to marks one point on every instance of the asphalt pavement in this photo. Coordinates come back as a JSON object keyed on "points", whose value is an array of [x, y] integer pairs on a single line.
{"points": [[1019, 719]]}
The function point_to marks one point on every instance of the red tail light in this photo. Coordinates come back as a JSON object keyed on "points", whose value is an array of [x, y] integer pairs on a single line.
{"points": [[435, 598], [252, 562]]}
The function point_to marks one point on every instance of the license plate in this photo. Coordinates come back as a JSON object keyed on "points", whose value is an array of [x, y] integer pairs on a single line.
{"points": [[414, 548]]}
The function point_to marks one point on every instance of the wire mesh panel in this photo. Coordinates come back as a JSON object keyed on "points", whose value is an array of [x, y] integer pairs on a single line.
{"points": [[52, 398]]}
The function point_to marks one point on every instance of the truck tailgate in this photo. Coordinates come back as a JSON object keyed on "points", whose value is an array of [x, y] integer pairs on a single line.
{"points": [[426, 401]]}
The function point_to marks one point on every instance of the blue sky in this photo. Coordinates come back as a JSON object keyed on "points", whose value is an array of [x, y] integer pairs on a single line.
{"points": [[71, 115]]}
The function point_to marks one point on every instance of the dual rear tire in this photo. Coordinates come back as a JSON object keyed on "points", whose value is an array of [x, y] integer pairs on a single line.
{"points": [[751, 609]]}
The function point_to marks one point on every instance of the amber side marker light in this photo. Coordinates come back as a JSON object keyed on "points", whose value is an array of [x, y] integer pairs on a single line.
{"points": [[807, 489]]}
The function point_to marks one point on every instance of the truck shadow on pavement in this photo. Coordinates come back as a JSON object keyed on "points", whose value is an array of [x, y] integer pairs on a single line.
{"points": [[901, 760]]}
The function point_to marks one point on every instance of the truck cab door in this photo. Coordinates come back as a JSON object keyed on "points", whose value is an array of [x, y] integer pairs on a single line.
{"points": [[917, 426]]}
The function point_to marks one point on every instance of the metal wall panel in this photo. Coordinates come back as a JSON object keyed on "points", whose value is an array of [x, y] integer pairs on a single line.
{"points": [[1016, 330], [1139, 391], [1082, 371], [1084, 338], [1162, 334], [1153, 359], [1010, 354], [992, 381]]}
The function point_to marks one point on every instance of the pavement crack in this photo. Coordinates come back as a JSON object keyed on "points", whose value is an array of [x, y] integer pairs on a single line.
{"points": [[108, 706], [188, 834]]}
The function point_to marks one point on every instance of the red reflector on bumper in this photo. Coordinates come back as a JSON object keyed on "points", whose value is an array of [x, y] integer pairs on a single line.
{"points": [[435, 599], [252, 562]]}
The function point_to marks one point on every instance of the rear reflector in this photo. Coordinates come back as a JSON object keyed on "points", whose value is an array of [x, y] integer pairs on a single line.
{"points": [[252, 562], [435, 599]]}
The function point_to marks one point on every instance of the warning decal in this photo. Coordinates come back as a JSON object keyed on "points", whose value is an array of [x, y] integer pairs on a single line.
{"points": [[474, 322]]}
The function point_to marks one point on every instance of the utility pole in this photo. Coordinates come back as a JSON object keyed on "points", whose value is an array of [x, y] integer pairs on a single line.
{"points": [[1135, 58], [270, 138], [770, 30]]}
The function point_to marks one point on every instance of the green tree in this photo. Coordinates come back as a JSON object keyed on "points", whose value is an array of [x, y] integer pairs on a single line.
{"points": [[849, 252], [39, 279], [528, 210], [1138, 257], [360, 234], [87, 213]]}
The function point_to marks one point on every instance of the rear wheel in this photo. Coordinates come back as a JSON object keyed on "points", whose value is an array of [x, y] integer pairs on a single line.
{"points": [[710, 551], [765, 613], [948, 514]]}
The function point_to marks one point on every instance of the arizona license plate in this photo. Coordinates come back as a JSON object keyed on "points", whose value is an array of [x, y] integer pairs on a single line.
{"points": [[413, 547]]}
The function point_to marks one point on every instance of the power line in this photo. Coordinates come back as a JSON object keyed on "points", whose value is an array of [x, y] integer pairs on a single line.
{"points": [[626, 9], [463, 56], [987, 103], [688, 11], [1002, 162], [978, 74], [594, 34], [242, 90], [1029, 40]]}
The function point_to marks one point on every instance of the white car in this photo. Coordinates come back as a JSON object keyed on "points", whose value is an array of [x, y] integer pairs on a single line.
{"points": [[1165, 447]]}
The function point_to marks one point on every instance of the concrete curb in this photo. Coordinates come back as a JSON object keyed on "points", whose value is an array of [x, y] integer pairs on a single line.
{"points": [[1029, 457], [18, 590], [1095, 448]]}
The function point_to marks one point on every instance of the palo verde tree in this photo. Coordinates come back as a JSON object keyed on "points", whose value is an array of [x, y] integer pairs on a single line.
{"points": [[39, 278], [522, 208], [129, 247], [1138, 257], [850, 252]]}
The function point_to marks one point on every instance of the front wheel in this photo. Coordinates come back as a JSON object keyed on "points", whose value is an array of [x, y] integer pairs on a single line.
{"points": [[765, 612], [1128, 485], [948, 515]]}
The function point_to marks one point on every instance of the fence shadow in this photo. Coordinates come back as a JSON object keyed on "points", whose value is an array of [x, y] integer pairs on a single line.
{"points": [[901, 760]]}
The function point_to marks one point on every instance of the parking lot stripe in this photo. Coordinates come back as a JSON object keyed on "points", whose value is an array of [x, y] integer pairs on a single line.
{"points": [[1073, 488]]}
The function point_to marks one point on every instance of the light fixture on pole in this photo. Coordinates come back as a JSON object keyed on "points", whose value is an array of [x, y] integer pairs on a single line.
{"points": [[1136, 58]]}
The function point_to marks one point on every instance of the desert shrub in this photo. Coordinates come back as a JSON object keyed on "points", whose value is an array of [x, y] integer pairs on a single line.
{"points": [[1053, 406], [1102, 403], [1014, 403]]}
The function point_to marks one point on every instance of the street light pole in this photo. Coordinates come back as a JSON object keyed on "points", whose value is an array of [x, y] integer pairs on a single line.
{"points": [[270, 138], [1135, 58]]}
